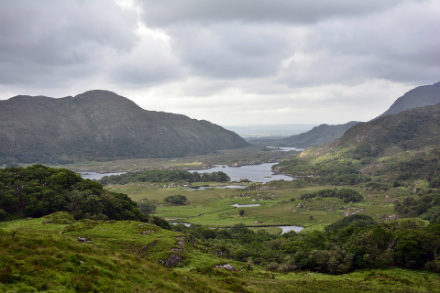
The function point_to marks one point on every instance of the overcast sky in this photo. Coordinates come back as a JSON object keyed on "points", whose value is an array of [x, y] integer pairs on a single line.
{"points": [[231, 62]]}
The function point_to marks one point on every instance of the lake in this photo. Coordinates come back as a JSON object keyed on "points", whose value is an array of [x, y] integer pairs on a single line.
{"points": [[246, 205], [255, 173], [284, 149], [97, 176], [204, 187], [284, 229]]}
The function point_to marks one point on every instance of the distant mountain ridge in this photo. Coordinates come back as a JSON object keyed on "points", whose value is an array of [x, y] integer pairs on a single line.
{"points": [[408, 130], [317, 136], [100, 125], [397, 147], [418, 97]]}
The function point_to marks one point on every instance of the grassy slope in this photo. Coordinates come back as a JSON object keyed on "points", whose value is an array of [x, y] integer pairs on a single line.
{"points": [[36, 257]]}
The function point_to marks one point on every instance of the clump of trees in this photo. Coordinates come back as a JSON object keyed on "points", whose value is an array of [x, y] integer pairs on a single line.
{"points": [[147, 206], [179, 200], [346, 194], [426, 206], [38, 190], [163, 176]]}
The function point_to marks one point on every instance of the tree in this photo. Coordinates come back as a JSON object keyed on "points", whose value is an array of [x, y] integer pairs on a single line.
{"points": [[146, 206], [176, 199]]}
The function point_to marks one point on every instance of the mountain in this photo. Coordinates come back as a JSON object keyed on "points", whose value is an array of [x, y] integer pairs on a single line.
{"points": [[408, 130], [317, 136], [100, 125], [269, 131], [418, 97], [403, 146]]}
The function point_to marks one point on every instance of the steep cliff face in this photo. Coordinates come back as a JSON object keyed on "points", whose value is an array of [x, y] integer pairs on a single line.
{"points": [[100, 125]]}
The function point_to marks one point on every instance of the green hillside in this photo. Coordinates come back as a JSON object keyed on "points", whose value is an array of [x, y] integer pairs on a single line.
{"points": [[386, 149], [100, 125]]}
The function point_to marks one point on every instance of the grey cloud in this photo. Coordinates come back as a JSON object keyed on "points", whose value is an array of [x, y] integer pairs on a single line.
{"points": [[144, 72], [44, 38], [230, 50], [167, 12], [400, 45]]}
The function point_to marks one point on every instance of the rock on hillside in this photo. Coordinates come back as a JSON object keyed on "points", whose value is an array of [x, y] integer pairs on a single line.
{"points": [[100, 125]]}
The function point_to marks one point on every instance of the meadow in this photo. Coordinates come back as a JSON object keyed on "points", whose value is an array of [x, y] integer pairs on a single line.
{"points": [[280, 204]]}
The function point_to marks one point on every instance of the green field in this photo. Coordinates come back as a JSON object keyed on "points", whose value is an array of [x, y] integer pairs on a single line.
{"points": [[280, 204]]}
